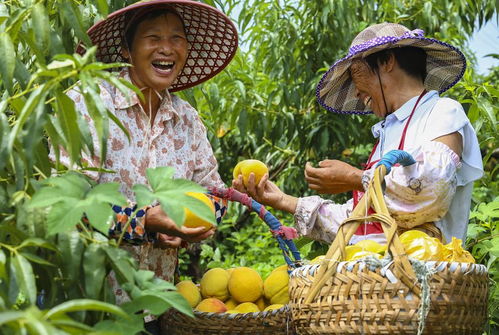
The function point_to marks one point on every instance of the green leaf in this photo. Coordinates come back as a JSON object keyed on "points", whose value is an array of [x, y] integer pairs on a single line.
{"points": [[68, 120], [121, 263], [152, 303], [3, 261], [24, 276], [71, 247], [8, 63], [35, 259], [159, 177], [37, 242], [94, 269], [107, 193], [10, 316], [100, 216], [41, 26], [64, 217], [134, 324], [83, 305]]}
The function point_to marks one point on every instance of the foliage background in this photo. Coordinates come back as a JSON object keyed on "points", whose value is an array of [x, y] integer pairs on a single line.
{"points": [[262, 106]]}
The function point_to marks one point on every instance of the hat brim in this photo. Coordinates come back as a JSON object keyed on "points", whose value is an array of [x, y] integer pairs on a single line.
{"points": [[445, 66], [212, 38]]}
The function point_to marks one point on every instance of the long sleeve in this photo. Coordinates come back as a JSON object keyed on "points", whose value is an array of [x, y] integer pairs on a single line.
{"points": [[319, 219], [421, 192]]}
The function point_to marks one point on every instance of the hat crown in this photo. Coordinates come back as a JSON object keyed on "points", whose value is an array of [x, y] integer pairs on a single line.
{"points": [[381, 34]]}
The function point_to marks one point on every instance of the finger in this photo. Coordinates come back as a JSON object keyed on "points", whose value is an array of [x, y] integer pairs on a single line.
{"points": [[315, 187], [251, 185], [313, 180], [310, 171], [261, 185]]}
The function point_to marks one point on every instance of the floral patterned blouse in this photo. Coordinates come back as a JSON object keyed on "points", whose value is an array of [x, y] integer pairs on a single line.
{"points": [[177, 139]]}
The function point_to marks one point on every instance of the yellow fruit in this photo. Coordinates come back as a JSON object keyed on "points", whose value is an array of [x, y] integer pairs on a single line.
{"points": [[230, 270], [275, 287], [214, 284], [372, 246], [419, 245], [363, 254], [318, 259], [247, 307], [351, 250], [232, 311], [245, 285], [281, 268], [248, 166], [231, 303], [211, 305], [190, 292], [272, 307], [194, 221], [260, 303]]}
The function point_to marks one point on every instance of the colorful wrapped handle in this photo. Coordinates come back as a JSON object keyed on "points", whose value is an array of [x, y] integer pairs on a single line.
{"points": [[283, 234], [396, 157]]}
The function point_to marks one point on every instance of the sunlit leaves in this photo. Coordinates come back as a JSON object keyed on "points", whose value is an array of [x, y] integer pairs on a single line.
{"points": [[171, 194], [71, 196]]}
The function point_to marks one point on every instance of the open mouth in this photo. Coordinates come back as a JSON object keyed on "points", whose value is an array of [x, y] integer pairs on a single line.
{"points": [[367, 101], [163, 66]]}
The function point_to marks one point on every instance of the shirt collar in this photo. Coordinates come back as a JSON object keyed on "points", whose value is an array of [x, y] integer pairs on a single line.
{"points": [[129, 99], [402, 113]]}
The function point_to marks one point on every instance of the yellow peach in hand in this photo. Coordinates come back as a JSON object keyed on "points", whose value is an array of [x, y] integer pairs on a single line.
{"points": [[248, 166], [194, 221]]}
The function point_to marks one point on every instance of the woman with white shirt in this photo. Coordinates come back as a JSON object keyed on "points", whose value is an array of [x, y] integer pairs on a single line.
{"points": [[397, 74]]}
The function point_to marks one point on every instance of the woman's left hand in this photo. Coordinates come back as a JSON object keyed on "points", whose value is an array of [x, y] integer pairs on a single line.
{"points": [[333, 176], [165, 241]]}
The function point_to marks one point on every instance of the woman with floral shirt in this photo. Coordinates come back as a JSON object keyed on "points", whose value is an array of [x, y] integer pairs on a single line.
{"points": [[171, 45], [397, 74]]}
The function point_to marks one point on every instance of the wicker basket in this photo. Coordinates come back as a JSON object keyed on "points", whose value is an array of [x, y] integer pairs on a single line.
{"points": [[384, 297], [276, 322]]}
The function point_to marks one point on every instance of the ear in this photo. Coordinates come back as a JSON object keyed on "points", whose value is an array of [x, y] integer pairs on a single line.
{"points": [[390, 63], [125, 53]]}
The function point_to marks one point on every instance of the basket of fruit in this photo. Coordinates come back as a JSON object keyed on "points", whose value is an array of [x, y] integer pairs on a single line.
{"points": [[238, 300], [419, 287]]}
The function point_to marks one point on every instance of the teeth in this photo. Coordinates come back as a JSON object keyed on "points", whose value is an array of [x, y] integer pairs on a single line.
{"points": [[367, 100], [164, 63]]}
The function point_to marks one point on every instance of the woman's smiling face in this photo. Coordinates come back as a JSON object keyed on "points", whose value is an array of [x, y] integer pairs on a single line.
{"points": [[367, 87], [158, 52]]}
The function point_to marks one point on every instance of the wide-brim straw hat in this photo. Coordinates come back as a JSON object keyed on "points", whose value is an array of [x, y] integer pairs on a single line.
{"points": [[212, 38], [445, 65]]}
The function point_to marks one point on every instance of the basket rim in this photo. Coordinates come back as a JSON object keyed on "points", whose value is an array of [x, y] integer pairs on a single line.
{"points": [[285, 308], [439, 266]]}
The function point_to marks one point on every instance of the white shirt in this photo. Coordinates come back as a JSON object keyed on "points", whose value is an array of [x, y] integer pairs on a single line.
{"points": [[447, 204]]}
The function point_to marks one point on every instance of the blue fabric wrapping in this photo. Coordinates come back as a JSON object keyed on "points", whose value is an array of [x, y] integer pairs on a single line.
{"points": [[396, 157], [289, 250]]}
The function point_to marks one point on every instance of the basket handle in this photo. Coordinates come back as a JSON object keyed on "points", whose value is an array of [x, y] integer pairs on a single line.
{"points": [[373, 197], [283, 234]]}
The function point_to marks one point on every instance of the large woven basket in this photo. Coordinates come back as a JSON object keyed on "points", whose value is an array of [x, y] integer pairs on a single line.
{"points": [[276, 322], [397, 296]]}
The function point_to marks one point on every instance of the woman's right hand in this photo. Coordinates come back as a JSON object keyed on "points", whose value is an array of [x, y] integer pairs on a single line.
{"points": [[266, 192], [158, 221]]}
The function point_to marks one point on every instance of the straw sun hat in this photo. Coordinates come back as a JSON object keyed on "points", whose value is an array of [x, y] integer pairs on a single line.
{"points": [[445, 65], [211, 35]]}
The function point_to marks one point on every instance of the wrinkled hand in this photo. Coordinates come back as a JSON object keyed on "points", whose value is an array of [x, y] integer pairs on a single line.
{"points": [[333, 176], [266, 192], [157, 221], [168, 242]]}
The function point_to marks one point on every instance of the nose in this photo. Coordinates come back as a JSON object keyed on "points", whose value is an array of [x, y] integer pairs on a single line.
{"points": [[165, 46]]}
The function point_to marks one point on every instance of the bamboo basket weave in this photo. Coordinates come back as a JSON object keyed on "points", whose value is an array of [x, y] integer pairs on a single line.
{"points": [[276, 322], [391, 296]]}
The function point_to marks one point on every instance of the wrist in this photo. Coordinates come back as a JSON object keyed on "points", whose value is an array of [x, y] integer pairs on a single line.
{"points": [[287, 203], [356, 179]]}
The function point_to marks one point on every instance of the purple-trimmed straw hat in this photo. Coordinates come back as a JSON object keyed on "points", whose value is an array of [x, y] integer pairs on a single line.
{"points": [[211, 34], [445, 65]]}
